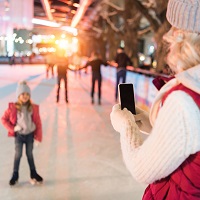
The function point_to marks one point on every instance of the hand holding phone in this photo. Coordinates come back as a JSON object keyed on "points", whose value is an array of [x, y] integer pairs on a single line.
{"points": [[126, 94]]}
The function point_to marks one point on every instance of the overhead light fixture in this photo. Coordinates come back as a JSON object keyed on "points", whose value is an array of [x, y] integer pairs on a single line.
{"points": [[47, 8], [45, 22], [73, 11], [69, 2], [70, 29], [76, 5], [84, 4], [53, 10]]}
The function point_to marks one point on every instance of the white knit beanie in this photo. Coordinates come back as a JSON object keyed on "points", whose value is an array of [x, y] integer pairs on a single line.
{"points": [[184, 14], [21, 88]]}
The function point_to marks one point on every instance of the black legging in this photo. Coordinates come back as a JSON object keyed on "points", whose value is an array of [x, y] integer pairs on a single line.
{"points": [[99, 79], [58, 90]]}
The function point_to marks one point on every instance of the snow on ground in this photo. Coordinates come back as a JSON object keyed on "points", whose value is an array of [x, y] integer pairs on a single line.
{"points": [[80, 156]]}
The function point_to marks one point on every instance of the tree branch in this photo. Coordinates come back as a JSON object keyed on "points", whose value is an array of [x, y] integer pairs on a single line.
{"points": [[145, 12], [113, 5]]}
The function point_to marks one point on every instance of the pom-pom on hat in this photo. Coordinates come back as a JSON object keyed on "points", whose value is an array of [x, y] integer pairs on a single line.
{"points": [[184, 14], [22, 87]]}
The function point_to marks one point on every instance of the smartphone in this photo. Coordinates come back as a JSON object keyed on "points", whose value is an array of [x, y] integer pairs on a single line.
{"points": [[126, 96]]}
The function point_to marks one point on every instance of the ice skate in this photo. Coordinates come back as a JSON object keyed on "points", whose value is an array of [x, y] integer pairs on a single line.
{"points": [[14, 179], [35, 178]]}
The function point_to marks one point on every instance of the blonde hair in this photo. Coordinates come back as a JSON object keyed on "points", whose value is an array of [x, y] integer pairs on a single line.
{"points": [[19, 105], [184, 49]]}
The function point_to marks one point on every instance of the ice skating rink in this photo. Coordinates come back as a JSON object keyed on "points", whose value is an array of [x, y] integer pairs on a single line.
{"points": [[80, 156]]}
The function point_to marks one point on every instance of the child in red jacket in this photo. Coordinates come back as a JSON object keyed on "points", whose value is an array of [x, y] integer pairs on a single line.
{"points": [[22, 120]]}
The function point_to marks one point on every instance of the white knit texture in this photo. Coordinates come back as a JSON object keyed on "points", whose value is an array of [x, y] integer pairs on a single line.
{"points": [[123, 121], [184, 14], [175, 135], [21, 88]]}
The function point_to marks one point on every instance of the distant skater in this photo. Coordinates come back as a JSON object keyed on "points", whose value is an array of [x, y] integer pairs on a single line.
{"points": [[22, 120], [62, 68], [49, 65], [96, 62], [121, 62]]}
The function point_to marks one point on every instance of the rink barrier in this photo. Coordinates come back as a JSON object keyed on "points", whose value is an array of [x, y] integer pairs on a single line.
{"points": [[144, 89]]}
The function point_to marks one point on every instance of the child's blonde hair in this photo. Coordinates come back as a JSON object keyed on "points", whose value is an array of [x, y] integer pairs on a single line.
{"points": [[19, 105], [184, 49]]}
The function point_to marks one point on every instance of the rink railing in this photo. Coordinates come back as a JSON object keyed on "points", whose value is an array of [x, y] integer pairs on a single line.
{"points": [[144, 89]]}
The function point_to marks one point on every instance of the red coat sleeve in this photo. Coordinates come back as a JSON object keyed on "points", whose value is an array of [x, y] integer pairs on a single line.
{"points": [[37, 121], [9, 118]]}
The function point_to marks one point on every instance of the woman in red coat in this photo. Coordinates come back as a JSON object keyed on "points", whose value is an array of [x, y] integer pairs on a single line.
{"points": [[22, 120], [168, 160]]}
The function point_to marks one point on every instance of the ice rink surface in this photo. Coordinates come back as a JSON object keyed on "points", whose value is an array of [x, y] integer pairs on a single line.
{"points": [[80, 156]]}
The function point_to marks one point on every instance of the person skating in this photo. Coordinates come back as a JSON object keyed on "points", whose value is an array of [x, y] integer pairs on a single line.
{"points": [[95, 62], [122, 60], [22, 120], [49, 65], [62, 67]]}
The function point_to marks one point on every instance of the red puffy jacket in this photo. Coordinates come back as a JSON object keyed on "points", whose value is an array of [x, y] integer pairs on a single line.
{"points": [[184, 182], [9, 120]]}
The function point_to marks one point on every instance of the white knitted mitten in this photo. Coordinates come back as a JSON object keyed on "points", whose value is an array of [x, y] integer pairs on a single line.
{"points": [[142, 120], [119, 118], [123, 121]]}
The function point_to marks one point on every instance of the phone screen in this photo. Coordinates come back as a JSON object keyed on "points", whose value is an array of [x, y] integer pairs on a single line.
{"points": [[126, 94]]}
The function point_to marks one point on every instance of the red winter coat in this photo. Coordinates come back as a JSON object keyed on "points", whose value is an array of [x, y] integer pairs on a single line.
{"points": [[184, 182], [9, 120]]}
